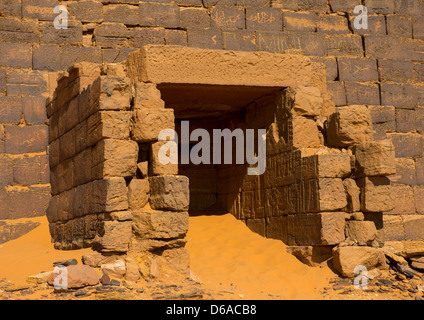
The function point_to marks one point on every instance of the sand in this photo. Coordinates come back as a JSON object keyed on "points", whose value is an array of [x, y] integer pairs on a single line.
{"points": [[32, 253], [224, 251], [225, 257]]}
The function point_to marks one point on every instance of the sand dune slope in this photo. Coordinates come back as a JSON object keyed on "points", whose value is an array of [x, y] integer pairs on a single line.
{"points": [[223, 250]]}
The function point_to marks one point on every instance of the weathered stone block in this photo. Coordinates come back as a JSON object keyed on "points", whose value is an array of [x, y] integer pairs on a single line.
{"points": [[159, 15], [407, 144], [147, 96], [109, 194], [114, 237], [414, 227], [326, 166], [111, 157], [402, 199], [149, 122], [376, 194], [349, 125], [108, 125], [405, 172], [419, 199], [156, 166], [160, 224], [169, 193], [362, 232], [116, 93], [332, 195], [138, 193], [305, 133], [327, 228], [276, 228], [307, 101], [393, 228], [376, 158]]}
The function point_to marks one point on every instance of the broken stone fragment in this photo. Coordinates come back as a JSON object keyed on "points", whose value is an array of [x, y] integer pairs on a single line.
{"points": [[346, 259], [115, 269], [352, 195], [69, 262]]}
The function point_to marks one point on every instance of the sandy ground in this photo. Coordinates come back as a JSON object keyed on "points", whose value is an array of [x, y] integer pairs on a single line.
{"points": [[32, 253], [228, 261]]}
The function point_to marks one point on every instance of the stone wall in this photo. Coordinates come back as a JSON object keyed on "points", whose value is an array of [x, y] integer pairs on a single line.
{"points": [[381, 67]]}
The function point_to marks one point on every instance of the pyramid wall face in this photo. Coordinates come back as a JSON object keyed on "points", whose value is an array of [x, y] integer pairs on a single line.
{"points": [[380, 68]]}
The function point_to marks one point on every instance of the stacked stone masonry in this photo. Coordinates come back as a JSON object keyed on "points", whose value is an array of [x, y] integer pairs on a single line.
{"points": [[325, 181], [381, 68]]}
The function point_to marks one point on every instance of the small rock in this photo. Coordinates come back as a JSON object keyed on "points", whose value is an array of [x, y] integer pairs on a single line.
{"points": [[66, 263], [75, 276], [105, 280], [140, 290], [39, 278], [16, 287], [115, 283], [406, 270], [372, 274], [115, 269]]}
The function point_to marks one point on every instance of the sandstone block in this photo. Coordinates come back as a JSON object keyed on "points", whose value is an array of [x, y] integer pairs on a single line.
{"points": [[108, 125], [326, 228], [114, 237], [109, 194], [349, 125], [147, 96], [276, 228], [414, 227], [149, 122], [376, 158], [405, 172], [160, 224], [156, 167], [169, 193], [326, 166], [178, 259], [362, 232], [305, 133], [376, 194], [138, 193], [346, 259], [307, 102], [402, 196], [115, 93], [112, 157], [332, 195]]}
